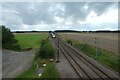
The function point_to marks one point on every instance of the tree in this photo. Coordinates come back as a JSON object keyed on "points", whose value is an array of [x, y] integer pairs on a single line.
{"points": [[8, 39]]}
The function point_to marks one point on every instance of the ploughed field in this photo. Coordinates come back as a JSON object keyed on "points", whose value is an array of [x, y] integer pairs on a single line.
{"points": [[107, 41]]}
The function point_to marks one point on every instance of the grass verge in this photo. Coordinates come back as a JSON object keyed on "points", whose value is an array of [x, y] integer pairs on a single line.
{"points": [[104, 57], [45, 53], [50, 71]]}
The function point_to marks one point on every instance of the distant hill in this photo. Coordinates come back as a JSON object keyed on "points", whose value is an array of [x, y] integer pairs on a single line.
{"points": [[99, 31], [65, 31], [30, 31], [107, 31]]}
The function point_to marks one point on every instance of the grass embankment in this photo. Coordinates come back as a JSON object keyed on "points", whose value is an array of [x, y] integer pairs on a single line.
{"points": [[30, 40], [50, 72], [42, 56], [104, 57]]}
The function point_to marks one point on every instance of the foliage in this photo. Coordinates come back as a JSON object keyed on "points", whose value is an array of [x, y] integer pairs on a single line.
{"points": [[8, 39], [46, 49], [69, 41]]}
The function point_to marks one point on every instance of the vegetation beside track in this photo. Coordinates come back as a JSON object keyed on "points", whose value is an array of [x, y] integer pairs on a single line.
{"points": [[43, 55], [104, 57], [46, 49], [50, 71]]}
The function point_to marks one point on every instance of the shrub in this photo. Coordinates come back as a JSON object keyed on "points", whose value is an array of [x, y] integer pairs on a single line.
{"points": [[69, 41], [46, 50]]}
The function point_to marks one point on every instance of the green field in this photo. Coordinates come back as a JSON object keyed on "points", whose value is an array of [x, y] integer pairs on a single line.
{"points": [[30, 40]]}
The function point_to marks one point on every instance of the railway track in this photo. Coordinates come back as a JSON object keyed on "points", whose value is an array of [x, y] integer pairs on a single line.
{"points": [[84, 66]]}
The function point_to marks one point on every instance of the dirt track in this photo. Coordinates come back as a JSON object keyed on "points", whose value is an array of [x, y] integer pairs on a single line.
{"points": [[14, 63]]}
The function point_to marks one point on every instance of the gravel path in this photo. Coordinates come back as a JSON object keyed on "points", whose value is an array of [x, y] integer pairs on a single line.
{"points": [[14, 63], [64, 67]]}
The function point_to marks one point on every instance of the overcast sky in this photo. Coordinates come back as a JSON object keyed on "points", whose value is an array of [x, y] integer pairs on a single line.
{"points": [[59, 15]]}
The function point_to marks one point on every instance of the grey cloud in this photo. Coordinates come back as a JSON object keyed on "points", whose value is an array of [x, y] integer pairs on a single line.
{"points": [[32, 13], [13, 22], [77, 11], [38, 12], [41, 14], [100, 7]]}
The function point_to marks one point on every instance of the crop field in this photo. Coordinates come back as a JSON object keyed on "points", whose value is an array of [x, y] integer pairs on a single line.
{"points": [[30, 40], [107, 41]]}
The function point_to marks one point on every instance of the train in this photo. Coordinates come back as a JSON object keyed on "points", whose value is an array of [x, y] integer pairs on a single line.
{"points": [[53, 35]]}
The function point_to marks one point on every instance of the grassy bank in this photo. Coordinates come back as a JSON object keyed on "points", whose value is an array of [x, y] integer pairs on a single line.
{"points": [[45, 53], [30, 40], [50, 71], [104, 57]]}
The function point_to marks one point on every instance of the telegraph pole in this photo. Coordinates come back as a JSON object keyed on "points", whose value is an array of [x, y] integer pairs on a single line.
{"points": [[96, 47], [58, 50], [66, 36]]}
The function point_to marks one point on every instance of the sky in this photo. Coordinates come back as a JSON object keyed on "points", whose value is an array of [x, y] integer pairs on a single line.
{"points": [[45, 16]]}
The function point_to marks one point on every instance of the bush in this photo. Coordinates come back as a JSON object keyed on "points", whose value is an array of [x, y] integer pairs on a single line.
{"points": [[69, 41], [8, 39], [46, 50]]}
